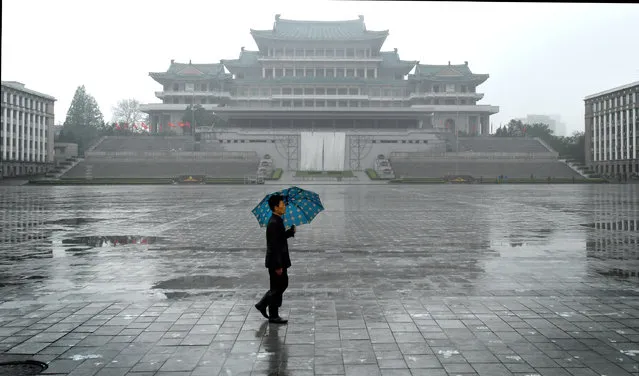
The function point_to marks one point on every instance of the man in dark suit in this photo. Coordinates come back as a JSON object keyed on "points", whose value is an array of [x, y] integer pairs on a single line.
{"points": [[277, 260]]}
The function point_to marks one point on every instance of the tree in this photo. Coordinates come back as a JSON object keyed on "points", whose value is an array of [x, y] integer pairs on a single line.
{"points": [[83, 122], [197, 116], [128, 111], [569, 147]]}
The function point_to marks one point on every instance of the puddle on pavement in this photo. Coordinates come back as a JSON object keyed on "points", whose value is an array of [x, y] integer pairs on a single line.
{"points": [[73, 221], [197, 282], [110, 241]]}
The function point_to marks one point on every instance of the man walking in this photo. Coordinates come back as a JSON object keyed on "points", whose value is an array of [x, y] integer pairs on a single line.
{"points": [[277, 260]]}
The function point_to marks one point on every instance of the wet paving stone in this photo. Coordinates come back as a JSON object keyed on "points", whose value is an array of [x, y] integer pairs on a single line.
{"points": [[414, 280]]}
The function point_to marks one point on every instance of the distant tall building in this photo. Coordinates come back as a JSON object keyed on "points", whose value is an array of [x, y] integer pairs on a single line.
{"points": [[26, 137], [330, 75], [612, 130], [553, 122]]}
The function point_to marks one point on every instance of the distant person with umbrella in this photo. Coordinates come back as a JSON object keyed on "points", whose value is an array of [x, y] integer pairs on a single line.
{"points": [[272, 212]]}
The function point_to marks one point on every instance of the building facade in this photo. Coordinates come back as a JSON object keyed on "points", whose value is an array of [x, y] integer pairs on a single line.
{"points": [[553, 121], [612, 130], [324, 75], [26, 139]]}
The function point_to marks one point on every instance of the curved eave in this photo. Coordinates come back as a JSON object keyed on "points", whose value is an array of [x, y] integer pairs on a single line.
{"points": [[403, 66], [163, 78], [476, 78]]}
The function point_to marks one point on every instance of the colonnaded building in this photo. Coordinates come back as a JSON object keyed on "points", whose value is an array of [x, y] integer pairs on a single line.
{"points": [[26, 136], [320, 96], [612, 130], [314, 83]]}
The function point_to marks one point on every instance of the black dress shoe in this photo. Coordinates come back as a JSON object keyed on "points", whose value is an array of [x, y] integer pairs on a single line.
{"points": [[262, 310], [277, 320]]}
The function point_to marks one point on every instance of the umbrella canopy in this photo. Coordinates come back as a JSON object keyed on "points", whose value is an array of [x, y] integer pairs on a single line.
{"points": [[301, 207]]}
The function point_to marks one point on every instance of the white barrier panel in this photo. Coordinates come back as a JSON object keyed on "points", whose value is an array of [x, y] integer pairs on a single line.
{"points": [[311, 149], [322, 151], [334, 151]]}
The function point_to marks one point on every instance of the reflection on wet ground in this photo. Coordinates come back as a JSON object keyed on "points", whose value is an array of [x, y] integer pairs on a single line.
{"points": [[432, 279], [426, 240], [110, 241]]}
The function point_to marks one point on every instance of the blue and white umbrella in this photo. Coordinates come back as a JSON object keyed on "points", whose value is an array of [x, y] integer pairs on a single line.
{"points": [[301, 207]]}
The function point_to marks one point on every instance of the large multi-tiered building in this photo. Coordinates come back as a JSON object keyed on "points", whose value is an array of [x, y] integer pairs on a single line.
{"points": [[325, 75], [325, 83], [26, 139], [612, 130]]}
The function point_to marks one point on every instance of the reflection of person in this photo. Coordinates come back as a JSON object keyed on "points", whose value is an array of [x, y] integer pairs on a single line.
{"points": [[277, 352], [277, 260]]}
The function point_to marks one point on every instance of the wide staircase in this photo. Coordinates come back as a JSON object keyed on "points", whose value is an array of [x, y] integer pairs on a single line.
{"points": [[501, 145], [486, 157], [149, 157], [519, 169]]}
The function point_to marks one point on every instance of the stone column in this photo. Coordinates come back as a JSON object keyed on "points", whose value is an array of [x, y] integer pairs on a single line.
{"points": [[21, 134], [634, 132], [627, 131], [11, 135], [43, 150], [4, 135], [29, 125], [595, 139]]}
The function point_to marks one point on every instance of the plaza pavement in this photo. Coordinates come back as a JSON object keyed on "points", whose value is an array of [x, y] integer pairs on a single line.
{"points": [[389, 280]]}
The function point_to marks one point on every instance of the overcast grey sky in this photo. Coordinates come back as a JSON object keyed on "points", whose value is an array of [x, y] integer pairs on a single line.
{"points": [[542, 58]]}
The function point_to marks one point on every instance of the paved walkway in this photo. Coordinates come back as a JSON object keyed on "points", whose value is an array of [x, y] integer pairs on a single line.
{"points": [[429, 280]]}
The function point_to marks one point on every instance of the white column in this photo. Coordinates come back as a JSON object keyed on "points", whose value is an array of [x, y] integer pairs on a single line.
{"points": [[47, 156], [43, 140], [263, 72], [4, 134], [628, 120], [614, 139], [20, 135], [375, 72], [11, 135], [28, 140], [36, 138], [605, 139], [609, 138], [23, 145], [602, 134], [634, 131], [594, 138]]}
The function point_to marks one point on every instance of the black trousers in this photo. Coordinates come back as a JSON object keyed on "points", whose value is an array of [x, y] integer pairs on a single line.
{"points": [[278, 284]]}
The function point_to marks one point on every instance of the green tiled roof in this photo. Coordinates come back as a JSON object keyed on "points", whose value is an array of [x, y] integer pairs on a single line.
{"points": [[247, 59], [439, 70], [181, 70], [319, 30], [458, 72], [390, 59]]}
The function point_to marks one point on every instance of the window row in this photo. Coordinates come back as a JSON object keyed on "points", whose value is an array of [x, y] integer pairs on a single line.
{"points": [[618, 101], [319, 103], [25, 102], [329, 72], [269, 91], [321, 52]]}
